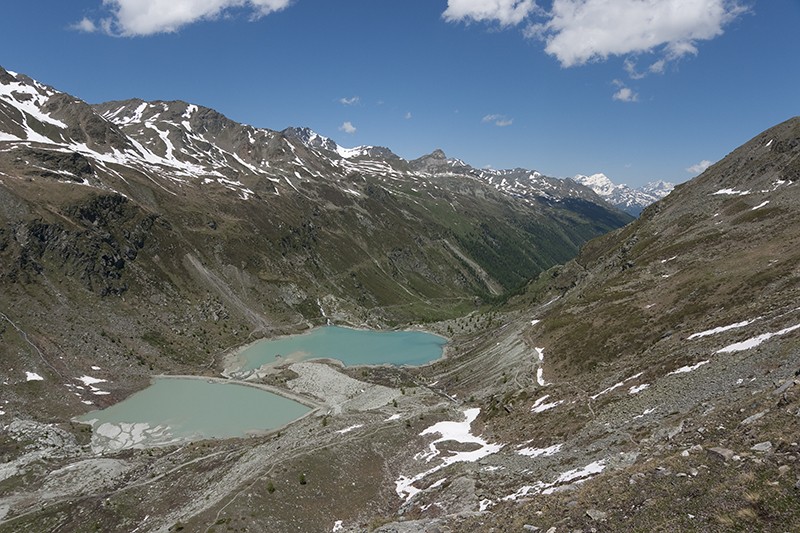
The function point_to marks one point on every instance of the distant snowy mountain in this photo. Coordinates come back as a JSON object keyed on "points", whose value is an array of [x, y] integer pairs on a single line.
{"points": [[628, 199]]}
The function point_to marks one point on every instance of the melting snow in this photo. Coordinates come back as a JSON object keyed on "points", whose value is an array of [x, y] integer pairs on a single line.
{"points": [[616, 386], [731, 192], [89, 380], [540, 370], [580, 474], [645, 413], [110, 436], [393, 417], [438, 483], [685, 369], [534, 322], [33, 376], [349, 429], [541, 452], [638, 388], [337, 526], [755, 341], [539, 407], [484, 505], [449, 431], [759, 206], [95, 368], [720, 329]]}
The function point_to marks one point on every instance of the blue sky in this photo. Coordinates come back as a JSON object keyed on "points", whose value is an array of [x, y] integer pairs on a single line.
{"points": [[640, 90]]}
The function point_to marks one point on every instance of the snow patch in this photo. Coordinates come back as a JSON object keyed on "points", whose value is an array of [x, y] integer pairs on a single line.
{"points": [[685, 369], [730, 192], [449, 431], [540, 370], [645, 413], [540, 452], [89, 380], [759, 206], [393, 417], [577, 475], [539, 406], [756, 341], [33, 376], [616, 386], [349, 429], [721, 329], [638, 388]]}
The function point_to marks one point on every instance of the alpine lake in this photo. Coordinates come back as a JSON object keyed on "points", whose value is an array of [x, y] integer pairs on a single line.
{"points": [[181, 409]]}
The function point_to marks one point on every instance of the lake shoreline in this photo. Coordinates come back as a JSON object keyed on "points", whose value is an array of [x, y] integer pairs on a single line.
{"points": [[232, 360]]}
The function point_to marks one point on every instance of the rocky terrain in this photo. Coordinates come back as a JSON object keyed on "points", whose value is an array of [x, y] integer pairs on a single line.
{"points": [[648, 383]]}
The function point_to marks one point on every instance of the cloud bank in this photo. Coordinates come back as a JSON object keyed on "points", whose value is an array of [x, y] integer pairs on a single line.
{"points": [[131, 18], [577, 32], [580, 31], [506, 12]]}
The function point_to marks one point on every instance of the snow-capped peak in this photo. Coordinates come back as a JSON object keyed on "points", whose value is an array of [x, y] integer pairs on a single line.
{"points": [[599, 183], [623, 197]]}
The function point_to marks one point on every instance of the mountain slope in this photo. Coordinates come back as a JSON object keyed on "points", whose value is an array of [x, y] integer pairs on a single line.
{"points": [[164, 233], [670, 352]]}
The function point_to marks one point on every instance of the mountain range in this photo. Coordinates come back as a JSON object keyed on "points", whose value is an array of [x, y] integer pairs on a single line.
{"points": [[630, 200], [603, 372]]}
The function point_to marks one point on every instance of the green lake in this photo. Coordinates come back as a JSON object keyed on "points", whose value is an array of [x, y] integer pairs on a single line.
{"points": [[174, 410], [350, 346], [183, 409]]}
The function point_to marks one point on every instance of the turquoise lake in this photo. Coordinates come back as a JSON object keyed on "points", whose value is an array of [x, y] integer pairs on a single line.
{"points": [[184, 409], [173, 410], [350, 346]]}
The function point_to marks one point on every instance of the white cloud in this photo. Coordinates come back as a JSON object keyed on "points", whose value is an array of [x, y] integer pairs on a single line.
{"points": [[85, 25], [580, 31], [624, 93], [353, 100], [146, 17], [498, 120], [347, 127], [506, 12], [700, 167], [407, 116]]}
